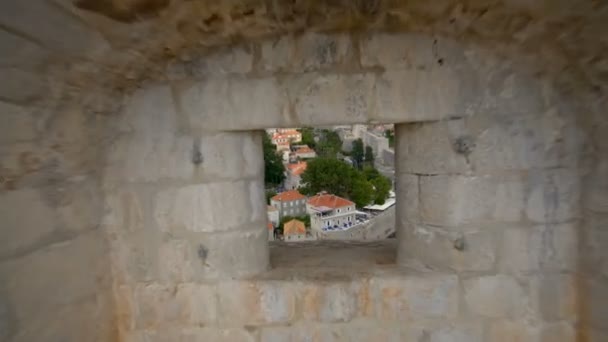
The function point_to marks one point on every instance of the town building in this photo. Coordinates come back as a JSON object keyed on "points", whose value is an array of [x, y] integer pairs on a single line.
{"points": [[328, 212], [293, 174], [270, 227], [283, 138], [273, 215], [289, 203], [304, 152], [294, 230]]}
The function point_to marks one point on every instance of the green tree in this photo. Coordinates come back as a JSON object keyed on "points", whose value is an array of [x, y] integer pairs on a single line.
{"points": [[361, 191], [273, 166], [308, 137], [369, 155], [390, 135], [329, 144], [381, 184], [358, 152], [270, 194]]}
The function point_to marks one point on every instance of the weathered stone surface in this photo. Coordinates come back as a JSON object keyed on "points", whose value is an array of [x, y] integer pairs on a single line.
{"points": [[253, 303], [458, 332], [18, 123], [204, 207], [429, 148], [23, 53], [419, 295], [455, 200], [219, 103], [498, 296], [552, 247], [52, 27], [398, 51], [407, 196], [321, 51], [276, 54], [447, 249], [182, 334], [331, 303], [237, 60], [348, 97], [553, 195], [28, 222], [159, 306], [554, 297], [21, 86]]}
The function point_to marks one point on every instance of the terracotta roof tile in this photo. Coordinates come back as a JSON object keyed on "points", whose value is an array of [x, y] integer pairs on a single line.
{"points": [[290, 195], [297, 168], [330, 201], [294, 227]]}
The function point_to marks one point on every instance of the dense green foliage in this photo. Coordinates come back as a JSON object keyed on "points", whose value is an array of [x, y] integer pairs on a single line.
{"points": [[308, 137], [273, 166], [338, 178], [358, 153], [390, 135], [329, 144], [369, 155]]}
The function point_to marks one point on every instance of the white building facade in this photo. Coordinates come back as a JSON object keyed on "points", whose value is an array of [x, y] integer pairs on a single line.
{"points": [[329, 212]]}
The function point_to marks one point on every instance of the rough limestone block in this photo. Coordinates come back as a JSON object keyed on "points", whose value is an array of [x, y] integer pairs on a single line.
{"points": [[445, 248], [597, 301], [415, 295], [28, 221], [57, 277], [305, 332], [186, 304], [397, 51], [256, 303], [276, 54], [18, 123], [52, 27], [233, 60], [235, 103], [349, 98], [212, 256], [315, 51], [407, 197], [23, 53], [497, 296], [205, 207], [554, 297], [593, 251], [184, 334], [429, 148], [456, 331], [553, 247], [329, 303], [21, 86], [454, 200], [125, 208], [421, 95], [553, 195]]}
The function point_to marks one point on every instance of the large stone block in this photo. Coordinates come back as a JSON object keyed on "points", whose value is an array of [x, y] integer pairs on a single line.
{"points": [[28, 222], [553, 247], [415, 296], [21, 86], [232, 60], [314, 51], [186, 304], [554, 297], [456, 200], [429, 148], [455, 331], [336, 302], [276, 54], [498, 296], [211, 256], [53, 27], [189, 334], [398, 51], [553, 195], [256, 303], [19, 123], [57, 277], [447, 249], [235, 103], [211, 207], [348, 97]]}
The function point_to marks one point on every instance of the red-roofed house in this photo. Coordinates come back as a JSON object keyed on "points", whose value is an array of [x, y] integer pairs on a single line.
{"points": [[329, 212], [283, 138], [293, 174], [289, 203], [294, 230], [304, 152]]}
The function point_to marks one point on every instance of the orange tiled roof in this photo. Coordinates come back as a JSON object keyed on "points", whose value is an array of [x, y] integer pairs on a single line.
{"points": [[290, 195], [330, 201], [297, 168], [294, 227], [304, 149]]}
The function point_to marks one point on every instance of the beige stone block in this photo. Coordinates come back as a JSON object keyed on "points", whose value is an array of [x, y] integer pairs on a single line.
{"points": [[553, 195], [211, 207], [428, 148], [125, 208], [349, 97], [513, 331], [186, 304], [397, 51], [232, 60], [407, 197], [57, 277], [447, 249], [28, 222], [276, 54], [560, 331], [256, 303], [21, 86], [189, 334], [18, 122], [315, 51], [235, 103], [456, 200], [415, 296], [456, 331], [329, 303], [595, 299], [498, 296], [53, 27], [554, 297]]}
